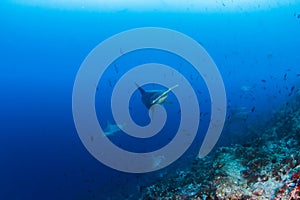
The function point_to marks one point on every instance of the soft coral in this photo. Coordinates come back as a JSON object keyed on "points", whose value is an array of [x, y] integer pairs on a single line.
{"points": [[296, 175]]}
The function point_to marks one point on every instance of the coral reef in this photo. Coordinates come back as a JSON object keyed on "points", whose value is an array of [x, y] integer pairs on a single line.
{"points": [[268, 167]]}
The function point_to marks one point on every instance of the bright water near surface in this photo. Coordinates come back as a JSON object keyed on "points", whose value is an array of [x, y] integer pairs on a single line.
{"points": [[256, 50]]}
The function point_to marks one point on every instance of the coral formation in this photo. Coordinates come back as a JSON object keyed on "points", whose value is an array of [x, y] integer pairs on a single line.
{"points": [[266, 168]]}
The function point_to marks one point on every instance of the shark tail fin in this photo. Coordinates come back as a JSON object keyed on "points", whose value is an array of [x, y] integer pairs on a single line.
{"points": [[140, 89]]}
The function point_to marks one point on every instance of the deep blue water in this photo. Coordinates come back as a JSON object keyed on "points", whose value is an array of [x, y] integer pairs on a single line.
{"points": [[42, 49]]}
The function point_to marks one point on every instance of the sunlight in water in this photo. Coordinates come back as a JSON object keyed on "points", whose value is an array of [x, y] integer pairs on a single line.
{"points": [[162, 5]]}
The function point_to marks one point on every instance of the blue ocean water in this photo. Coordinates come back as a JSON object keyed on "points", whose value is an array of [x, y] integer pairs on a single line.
{"points": [[42, 157]]}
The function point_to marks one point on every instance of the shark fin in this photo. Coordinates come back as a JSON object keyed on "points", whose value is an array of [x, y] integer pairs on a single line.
{"points": [[140, 89], [164, 94]]}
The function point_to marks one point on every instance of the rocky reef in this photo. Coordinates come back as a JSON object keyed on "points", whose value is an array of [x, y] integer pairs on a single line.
{"points": [[266, 166]]}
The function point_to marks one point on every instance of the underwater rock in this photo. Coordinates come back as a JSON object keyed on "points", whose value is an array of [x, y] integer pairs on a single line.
{"points": [[258, 192], [268, 168]]}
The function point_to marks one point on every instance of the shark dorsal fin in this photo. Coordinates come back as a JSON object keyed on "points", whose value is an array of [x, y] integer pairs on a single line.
{"points": [[140, 89]]}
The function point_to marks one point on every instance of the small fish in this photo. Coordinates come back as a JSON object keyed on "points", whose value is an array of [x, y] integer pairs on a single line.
{"points": [[298, 75], [206, 113], [285, 77], [140, 188], [253, 109], [116, 69], [246, 88], [263, 80], [292, 88], [292, 184]]}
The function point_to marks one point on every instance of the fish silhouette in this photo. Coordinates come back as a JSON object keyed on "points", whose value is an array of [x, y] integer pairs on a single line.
{"points": [[152, 97]]}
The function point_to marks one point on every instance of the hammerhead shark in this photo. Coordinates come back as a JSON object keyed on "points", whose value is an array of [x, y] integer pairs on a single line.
{"points": [[111, 129], [152, 97]]}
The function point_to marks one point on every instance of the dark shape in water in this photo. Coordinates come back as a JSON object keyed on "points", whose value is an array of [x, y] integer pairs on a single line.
{"points": [[152, 97], [292, 88]]}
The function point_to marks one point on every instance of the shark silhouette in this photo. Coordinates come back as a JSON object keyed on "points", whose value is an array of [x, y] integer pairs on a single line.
{"points": [[111, 129], [152, 97]]}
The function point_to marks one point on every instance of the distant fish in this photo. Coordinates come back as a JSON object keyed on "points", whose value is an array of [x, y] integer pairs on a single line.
{"points": [[298, 75], [140, 188], [116, 69], [237, 114], [253, 109], [285, 77], [292, 88], [111, 129], [291, 91], [228, 117], [247, 88], [263, 80]]}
